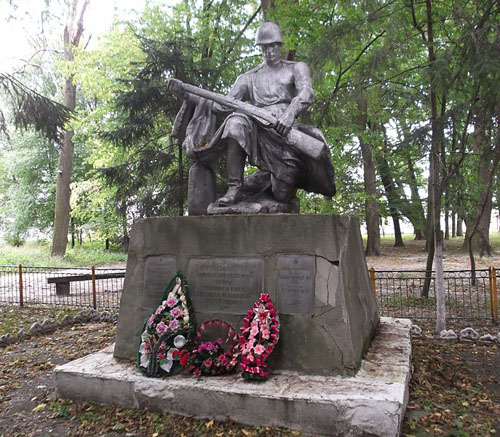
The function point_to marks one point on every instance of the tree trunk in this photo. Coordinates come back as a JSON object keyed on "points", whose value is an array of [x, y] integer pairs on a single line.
{"points": [[64, 168], [446, 216], [65, 163], [371, 206], [437, 140], [453, 225], [460, 231], [440, 298], [416, 203], [390, 193], [267, 6], [481, 240], [72, 233]]}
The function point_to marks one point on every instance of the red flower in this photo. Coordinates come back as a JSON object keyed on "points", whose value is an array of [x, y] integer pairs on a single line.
{"points": [[184, 358]]}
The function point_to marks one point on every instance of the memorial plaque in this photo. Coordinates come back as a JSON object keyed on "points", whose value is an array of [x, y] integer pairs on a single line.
{"points": [[225, 285], [295, 284], [158, 272]]}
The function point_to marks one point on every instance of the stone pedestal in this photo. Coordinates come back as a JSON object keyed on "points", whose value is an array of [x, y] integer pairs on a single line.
{"points": [[370, 404], [313, 267]]}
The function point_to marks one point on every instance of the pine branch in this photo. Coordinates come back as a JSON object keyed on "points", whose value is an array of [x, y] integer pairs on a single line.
{"points": [[31, 109]]}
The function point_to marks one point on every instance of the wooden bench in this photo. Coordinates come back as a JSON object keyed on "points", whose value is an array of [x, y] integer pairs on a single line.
{"points": [[63, 282]]}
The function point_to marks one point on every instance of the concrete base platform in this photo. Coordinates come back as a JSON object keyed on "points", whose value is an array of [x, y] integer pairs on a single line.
{"points": [[371, 403]]}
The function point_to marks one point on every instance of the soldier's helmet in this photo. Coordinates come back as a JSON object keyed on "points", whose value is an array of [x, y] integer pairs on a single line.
{"points": [[268, 33]]}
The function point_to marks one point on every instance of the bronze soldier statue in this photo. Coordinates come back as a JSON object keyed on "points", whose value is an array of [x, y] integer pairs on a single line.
{"points": [[283, 89]]}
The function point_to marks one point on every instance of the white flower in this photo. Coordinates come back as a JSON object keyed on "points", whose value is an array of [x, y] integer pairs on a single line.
{"points": [[142, 348], [167, 365], [170, 352], [144, 361], [186, 319], [179, 341], [182, 298]]}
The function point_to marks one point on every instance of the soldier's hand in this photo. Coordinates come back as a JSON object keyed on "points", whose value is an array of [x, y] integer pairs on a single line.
{"points": [[284, 124]]}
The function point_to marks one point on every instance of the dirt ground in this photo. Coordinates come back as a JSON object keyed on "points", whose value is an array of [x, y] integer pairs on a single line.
{"points": [[455, 388], [413, 257]]}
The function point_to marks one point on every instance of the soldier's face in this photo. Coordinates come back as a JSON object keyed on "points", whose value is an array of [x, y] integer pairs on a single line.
{"points": [[271, 53]]}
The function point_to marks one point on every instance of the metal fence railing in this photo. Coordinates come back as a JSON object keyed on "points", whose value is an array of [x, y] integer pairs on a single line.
{"points": [[400, 294], [56, 286]]}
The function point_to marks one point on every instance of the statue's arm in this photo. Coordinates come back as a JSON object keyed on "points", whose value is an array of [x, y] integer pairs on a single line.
{"points": [[305, 92], [303, 99]]}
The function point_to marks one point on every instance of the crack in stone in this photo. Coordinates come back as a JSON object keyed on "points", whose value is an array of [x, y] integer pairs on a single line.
{"points": [[336, 344]]}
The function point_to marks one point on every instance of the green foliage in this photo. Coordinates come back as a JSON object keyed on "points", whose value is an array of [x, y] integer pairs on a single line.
{"points": [[361, 54], [26, 185]]}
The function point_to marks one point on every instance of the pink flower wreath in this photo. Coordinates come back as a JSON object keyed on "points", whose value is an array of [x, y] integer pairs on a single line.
{"points": [[259, 335], [210, 358]]}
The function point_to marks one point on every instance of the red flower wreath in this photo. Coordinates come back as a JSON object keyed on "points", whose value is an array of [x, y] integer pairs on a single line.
{"points": [[259, 335], [211, 358]]}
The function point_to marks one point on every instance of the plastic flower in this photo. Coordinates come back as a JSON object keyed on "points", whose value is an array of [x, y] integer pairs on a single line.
{"points": [[171, 352], [167, 365], [175, 313], [161, 328], [179, 341], [171, 301], [259, 335], [259, 349], [166, 330]]}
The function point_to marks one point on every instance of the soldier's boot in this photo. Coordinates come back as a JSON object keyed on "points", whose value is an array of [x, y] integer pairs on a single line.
{"points": [[235, 163]]}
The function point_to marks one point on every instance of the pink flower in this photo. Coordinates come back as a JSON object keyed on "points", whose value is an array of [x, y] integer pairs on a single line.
{"points": [[175, 313], [265, 332], [151, 319], [207, 363], [254, 331], [174, 324], [197, 372], [218, 340], [171, 301], [160, 355], [259, 349], [159, 310], [161, 328]]}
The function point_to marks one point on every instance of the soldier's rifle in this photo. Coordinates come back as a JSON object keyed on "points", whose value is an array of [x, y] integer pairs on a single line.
{"points": [[295, 138]]}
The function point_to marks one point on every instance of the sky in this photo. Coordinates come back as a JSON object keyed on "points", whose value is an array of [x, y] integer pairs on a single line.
{"points": [[14, 33]]}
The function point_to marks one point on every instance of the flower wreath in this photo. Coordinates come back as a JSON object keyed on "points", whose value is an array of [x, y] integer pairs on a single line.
{"points": [[167, 330], [259, 335], [211, 358]]}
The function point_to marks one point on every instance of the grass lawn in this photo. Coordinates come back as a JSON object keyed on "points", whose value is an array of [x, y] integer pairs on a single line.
{"points": [[38, 254]]}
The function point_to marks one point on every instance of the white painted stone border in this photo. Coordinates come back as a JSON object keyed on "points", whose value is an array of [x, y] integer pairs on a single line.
{"points": [[373, 402], [468, 335]]}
